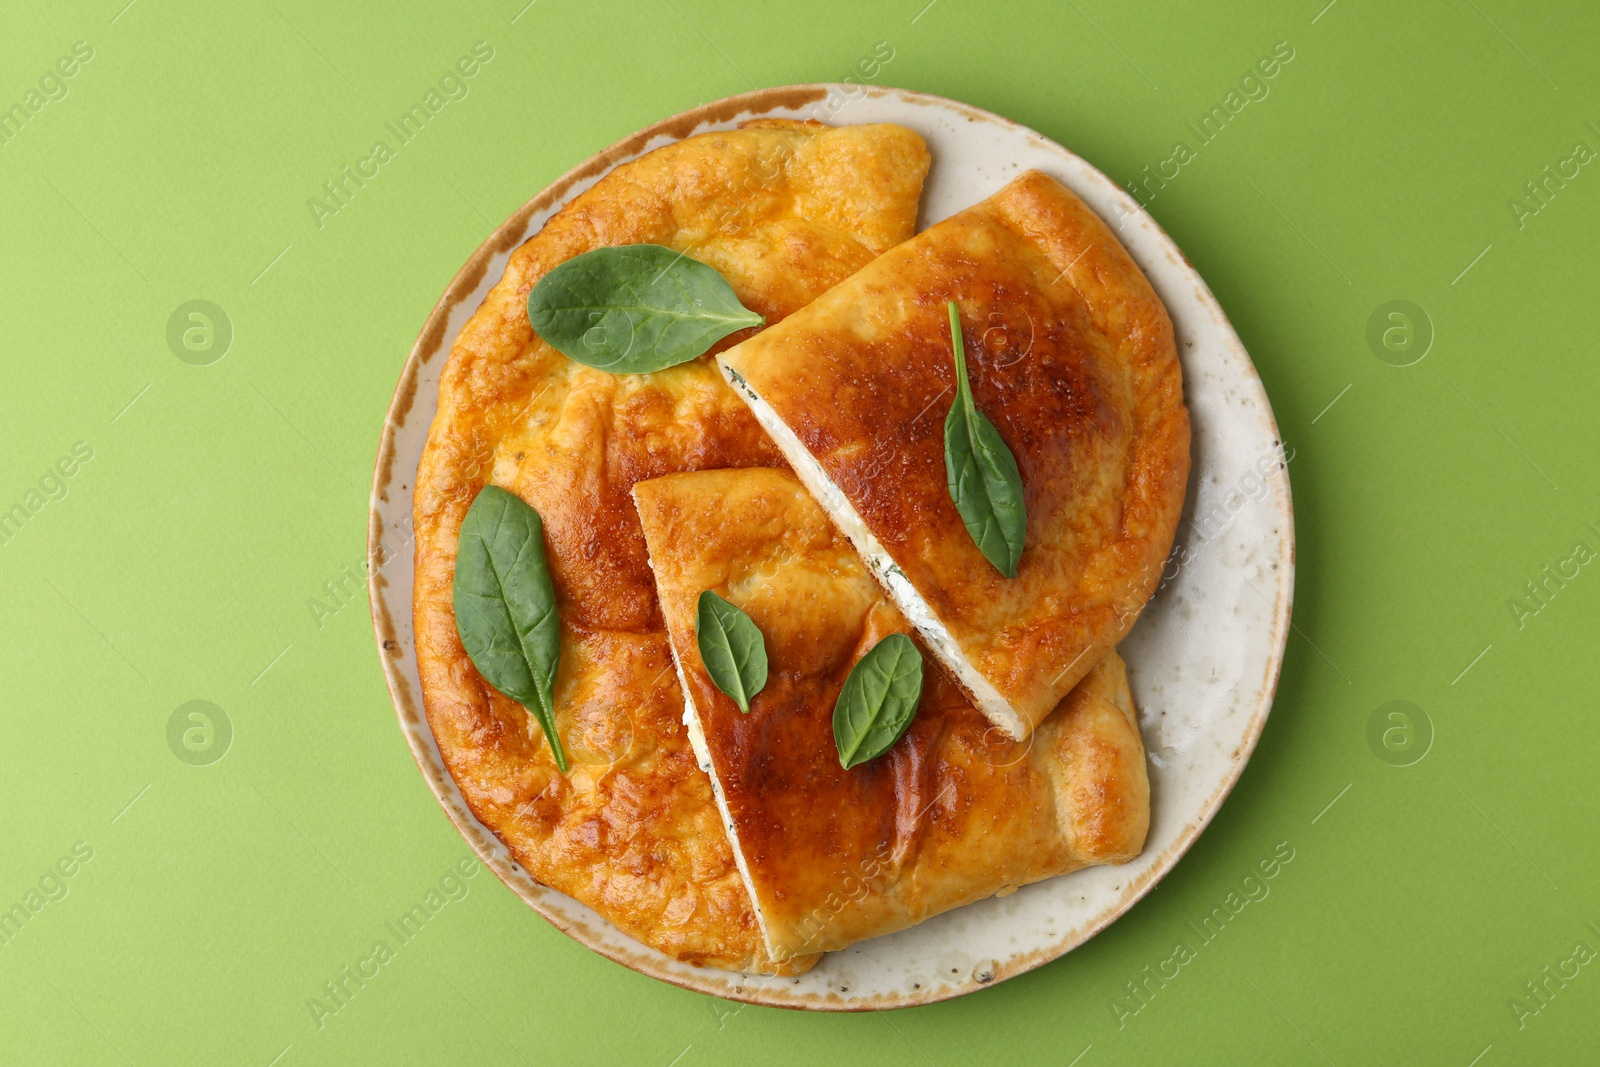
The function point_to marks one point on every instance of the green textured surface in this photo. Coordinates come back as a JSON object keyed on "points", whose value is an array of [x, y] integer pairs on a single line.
{"points": [[182, 561]]}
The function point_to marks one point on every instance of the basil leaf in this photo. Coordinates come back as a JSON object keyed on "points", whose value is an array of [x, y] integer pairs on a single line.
{"points": [[878, 700], [732, 647], [506, 605], [633, 309], [981, 472]]}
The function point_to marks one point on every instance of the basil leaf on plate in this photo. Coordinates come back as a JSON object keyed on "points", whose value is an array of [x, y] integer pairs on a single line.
{"points": [[734, 652], [506, 605], [633, 309], [981, 472], [878, 700]]}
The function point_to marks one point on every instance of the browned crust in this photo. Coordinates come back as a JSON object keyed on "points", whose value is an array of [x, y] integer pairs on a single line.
{"points": [[632, 830], [430, 341], [1071, 354], [952, 813]]}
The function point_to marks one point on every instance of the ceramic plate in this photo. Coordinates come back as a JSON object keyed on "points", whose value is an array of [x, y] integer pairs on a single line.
{"points": [[1203, 659]]}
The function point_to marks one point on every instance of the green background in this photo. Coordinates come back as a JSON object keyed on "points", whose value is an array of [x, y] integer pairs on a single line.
{"points": [[184, 558]]}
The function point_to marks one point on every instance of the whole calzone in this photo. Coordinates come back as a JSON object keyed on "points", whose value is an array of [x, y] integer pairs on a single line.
{"points": [[783, 210]]}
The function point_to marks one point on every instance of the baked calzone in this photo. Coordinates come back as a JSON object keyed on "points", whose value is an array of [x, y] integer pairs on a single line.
{"points": [[952, 812], [783, 210], [1071, 356]]}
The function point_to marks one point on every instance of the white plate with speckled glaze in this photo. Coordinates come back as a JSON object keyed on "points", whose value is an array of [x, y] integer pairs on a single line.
{"points": [[1203, 659]]}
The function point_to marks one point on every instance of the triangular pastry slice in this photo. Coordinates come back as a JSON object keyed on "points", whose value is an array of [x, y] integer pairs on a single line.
{"points": [[953, 812], [1071, 356]]}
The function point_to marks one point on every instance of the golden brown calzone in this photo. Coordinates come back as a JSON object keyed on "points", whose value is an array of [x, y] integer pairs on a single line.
{"points": [[1071, 355], [783, 210], [953, 812]]}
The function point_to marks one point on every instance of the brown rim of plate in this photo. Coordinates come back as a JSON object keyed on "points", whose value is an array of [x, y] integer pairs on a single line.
{"points": [[728, 984]]}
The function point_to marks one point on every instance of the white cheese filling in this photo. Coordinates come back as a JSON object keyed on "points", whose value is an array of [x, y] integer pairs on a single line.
{"points": [[905, 596], [702, 755]]}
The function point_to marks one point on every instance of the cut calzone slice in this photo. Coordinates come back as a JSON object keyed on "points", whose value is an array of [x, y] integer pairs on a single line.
{"points": [[953, 812], [1070, 354]]}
